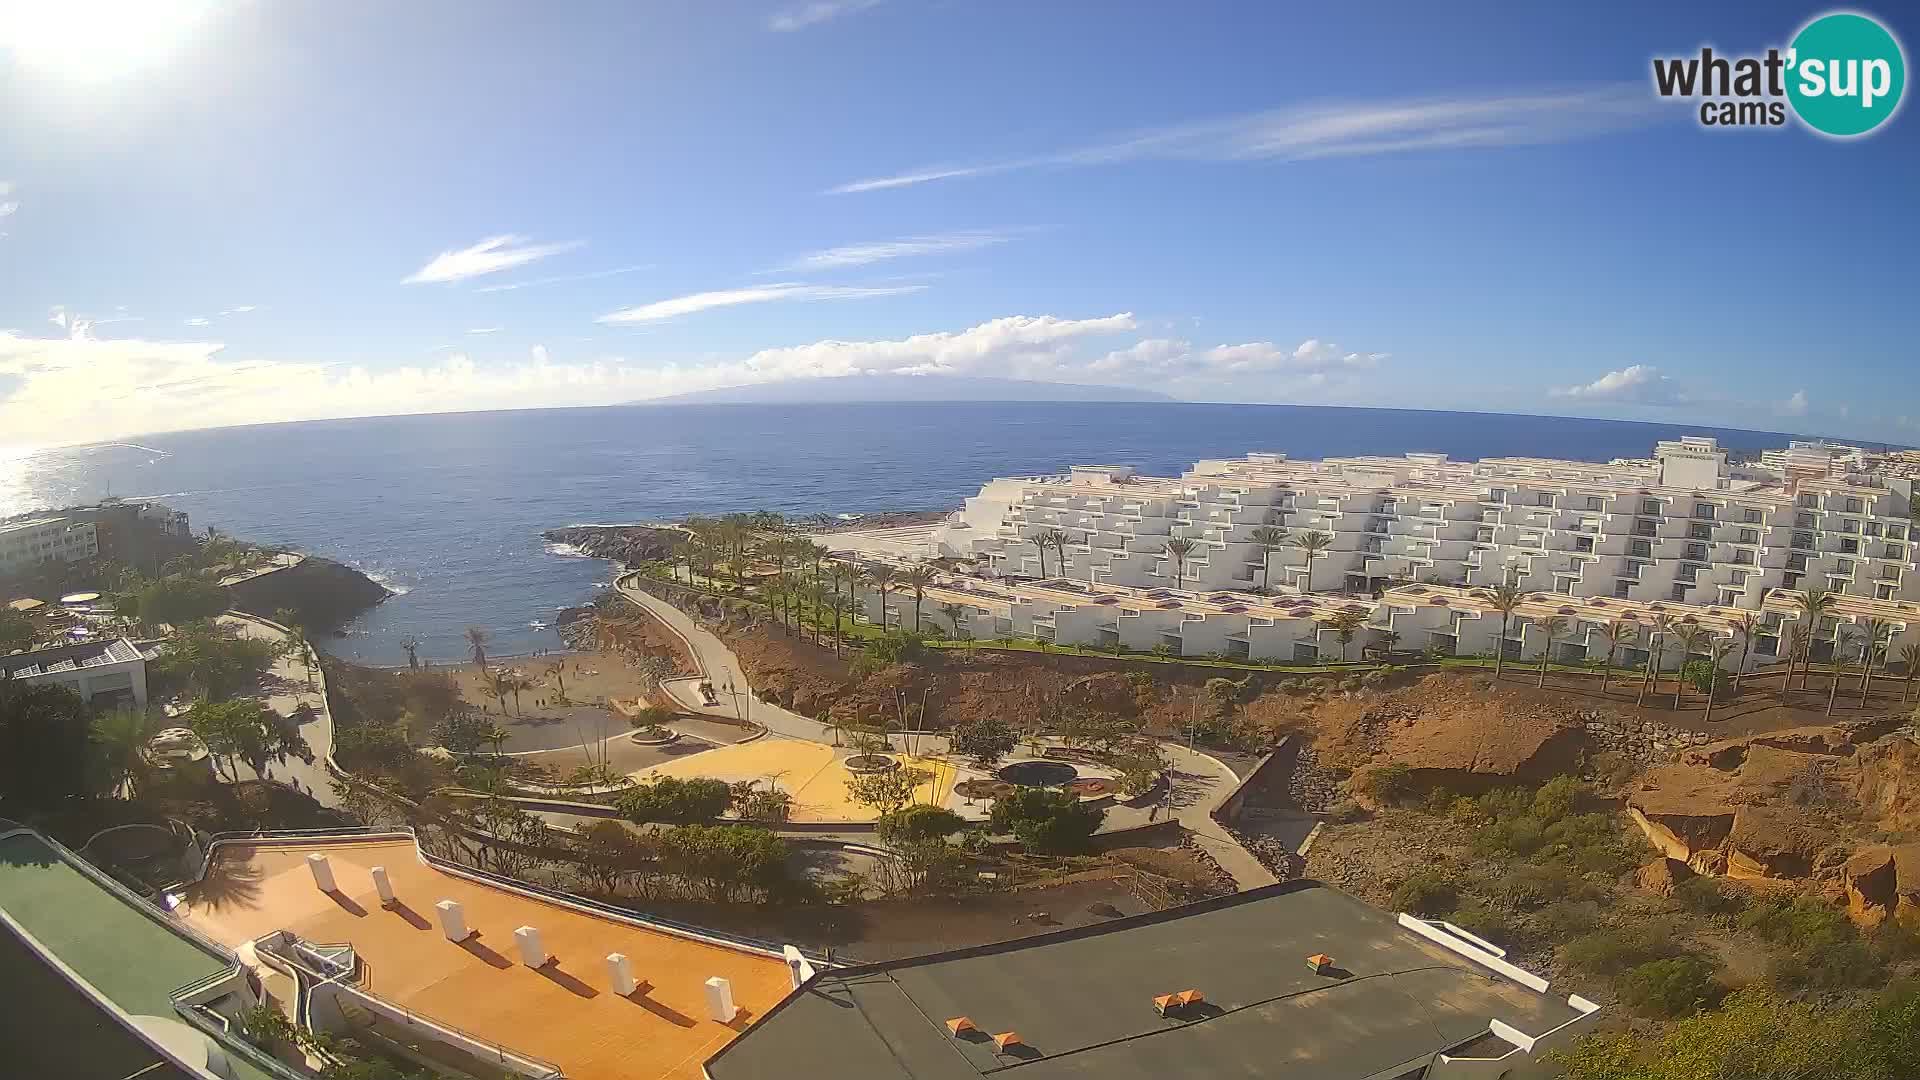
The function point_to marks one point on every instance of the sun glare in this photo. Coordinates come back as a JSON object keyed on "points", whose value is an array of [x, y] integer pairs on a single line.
{"points": [[95, 39]]}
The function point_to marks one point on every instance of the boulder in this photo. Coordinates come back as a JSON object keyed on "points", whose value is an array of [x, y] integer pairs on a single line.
{"points": [[1773, 843], [1661, 875], [1881, 882]]}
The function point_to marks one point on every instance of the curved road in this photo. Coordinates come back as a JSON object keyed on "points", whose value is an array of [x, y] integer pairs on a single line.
{"points": [[1200, 781]]}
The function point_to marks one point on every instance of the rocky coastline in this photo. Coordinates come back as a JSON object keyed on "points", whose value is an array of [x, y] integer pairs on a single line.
{"points": [[324, 593], [631, 545]]}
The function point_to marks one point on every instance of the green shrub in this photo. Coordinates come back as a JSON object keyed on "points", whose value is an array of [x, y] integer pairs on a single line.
{"points": [[1426, 894], [1568, 919], [1612, 950], [1046, 822], [672, 799], [1529, 887], [1815, 947], [1482, 922], [920, 822], [1674, 987], [1389, 783], [896, 647], [1703, 895]]}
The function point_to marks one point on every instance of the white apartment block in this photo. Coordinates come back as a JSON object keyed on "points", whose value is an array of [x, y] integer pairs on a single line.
{"points": [[1682, 535], [26, 544]]}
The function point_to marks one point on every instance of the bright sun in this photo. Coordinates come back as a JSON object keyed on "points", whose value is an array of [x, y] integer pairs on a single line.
{"points": [[94, 39]]}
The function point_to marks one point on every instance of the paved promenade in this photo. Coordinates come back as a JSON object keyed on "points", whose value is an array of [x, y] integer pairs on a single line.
{"points": [[1200, 782]]}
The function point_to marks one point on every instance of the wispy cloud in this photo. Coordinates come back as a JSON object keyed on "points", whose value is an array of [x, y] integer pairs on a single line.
{"points": [[484, 330], [905, 247], [1344, 130], [7, 206], [759, 294], [241, 310], [199, 322], [1793, 406], [494, 254], [564, 278], [801, 16]]}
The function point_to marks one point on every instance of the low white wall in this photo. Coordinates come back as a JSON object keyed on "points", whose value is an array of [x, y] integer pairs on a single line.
{"points": [[325, 1011]]}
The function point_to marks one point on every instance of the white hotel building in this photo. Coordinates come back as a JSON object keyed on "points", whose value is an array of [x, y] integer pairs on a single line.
{"points": [[1683, 534]]}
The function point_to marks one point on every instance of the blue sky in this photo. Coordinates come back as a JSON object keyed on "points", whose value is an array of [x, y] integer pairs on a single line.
{"points": [[261, 211]]}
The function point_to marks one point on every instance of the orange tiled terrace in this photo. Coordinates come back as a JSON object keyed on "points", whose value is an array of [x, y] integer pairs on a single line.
{"points": [[566, 1013]]}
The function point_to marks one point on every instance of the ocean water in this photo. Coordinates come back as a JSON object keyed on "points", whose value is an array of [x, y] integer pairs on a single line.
{"points": [[448, 509]]}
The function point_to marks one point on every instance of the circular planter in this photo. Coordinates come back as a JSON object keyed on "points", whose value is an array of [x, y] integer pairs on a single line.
{"points": [[982, 789], [1036, 772], [639, 739], [871, 763], [1093, 787]]}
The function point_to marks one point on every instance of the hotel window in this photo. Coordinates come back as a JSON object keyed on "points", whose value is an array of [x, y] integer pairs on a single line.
{"points": [[1650, 506], [1739, 577], [1896, 532], [1641, 548], [1853, 505], [1596, 502], [1790, 581], [1743, 558], [1748, 536], [1872, 528], [1890, 573], [1752, 516], [1849, 525], [1843, 566], [1633, 570], [1896, 551], [1498, 495], [1803, 540], [1679, 592], [1884, 592], [1803, 521], [1697, 552], [1703, 510], [1545, 499], [1808, 501], [1621, 588], [1698, 531], [1796, 562], [1850, 546]]}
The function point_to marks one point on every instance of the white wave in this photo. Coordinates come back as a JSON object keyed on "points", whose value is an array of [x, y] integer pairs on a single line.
{"points": [[386, 582], [567, 551]]}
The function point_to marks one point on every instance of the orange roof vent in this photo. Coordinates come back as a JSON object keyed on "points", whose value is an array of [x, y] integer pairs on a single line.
{"points": [[959, 1026], [1318, 963], [1006, 1039]]}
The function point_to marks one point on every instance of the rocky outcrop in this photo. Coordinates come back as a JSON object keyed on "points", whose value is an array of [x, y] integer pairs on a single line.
{"points": [[323, 593], [1660, 876], [628, 545], [1886, 782], [1883, 882]]}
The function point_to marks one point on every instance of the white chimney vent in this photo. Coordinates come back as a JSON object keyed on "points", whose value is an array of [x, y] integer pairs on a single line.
{"points": [[453, 920], [720, 1000], [531, 952], [383, 886], [322, 873], [620, 974]]}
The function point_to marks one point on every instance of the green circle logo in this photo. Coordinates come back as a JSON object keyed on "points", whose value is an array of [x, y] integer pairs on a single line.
{"points": [[1845, 74]]}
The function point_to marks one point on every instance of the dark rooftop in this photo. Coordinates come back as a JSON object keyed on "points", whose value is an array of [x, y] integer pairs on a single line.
{"points": [[1082, 1001], [50, 1028], [67, 658]]}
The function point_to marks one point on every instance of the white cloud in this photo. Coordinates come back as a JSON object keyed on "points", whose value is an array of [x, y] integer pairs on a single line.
{"points": [[1301, 134], [8, 207], [1795, 405], [241, 310], [489, 256], [906, 247], [801, 16], [199, 322], [1640, 384], [759, 294], [589, 276], [64, 388], [484, 330]]}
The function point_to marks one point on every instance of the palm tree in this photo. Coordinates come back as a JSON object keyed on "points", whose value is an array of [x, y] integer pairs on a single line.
{"points": [[1505, 598], [297, 648], [411, 646], [497, 685], [1269, 540], [496, 736], [477, 639], [883, 578], [856, 578], [1553, 628], [1799, 651], [120, 740], [1691, 636], [1656, 649], [1313, 542], [1178, 549], [1841, 634], [1052, 538], [918, 579], [557, 671], [1717, 651], [1909, 657], [1811, 606], [1345, 624], [1875, 634], [956, 617], [1617, 633], [1740, 629]]}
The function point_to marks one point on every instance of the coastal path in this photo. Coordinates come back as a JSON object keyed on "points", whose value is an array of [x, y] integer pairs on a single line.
{"points": [[285, 688], [1200, 782]]}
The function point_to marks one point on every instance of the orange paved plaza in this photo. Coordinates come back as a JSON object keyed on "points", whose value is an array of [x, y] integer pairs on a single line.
{"points": [[566, 1013], [814, 774]]}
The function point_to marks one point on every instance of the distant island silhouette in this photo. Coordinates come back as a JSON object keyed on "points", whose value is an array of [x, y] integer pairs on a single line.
{"points": [[880, 388]]}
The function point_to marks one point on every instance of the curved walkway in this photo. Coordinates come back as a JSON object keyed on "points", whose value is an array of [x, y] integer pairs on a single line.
{"points": [[1200, 782], [284, 689]]}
